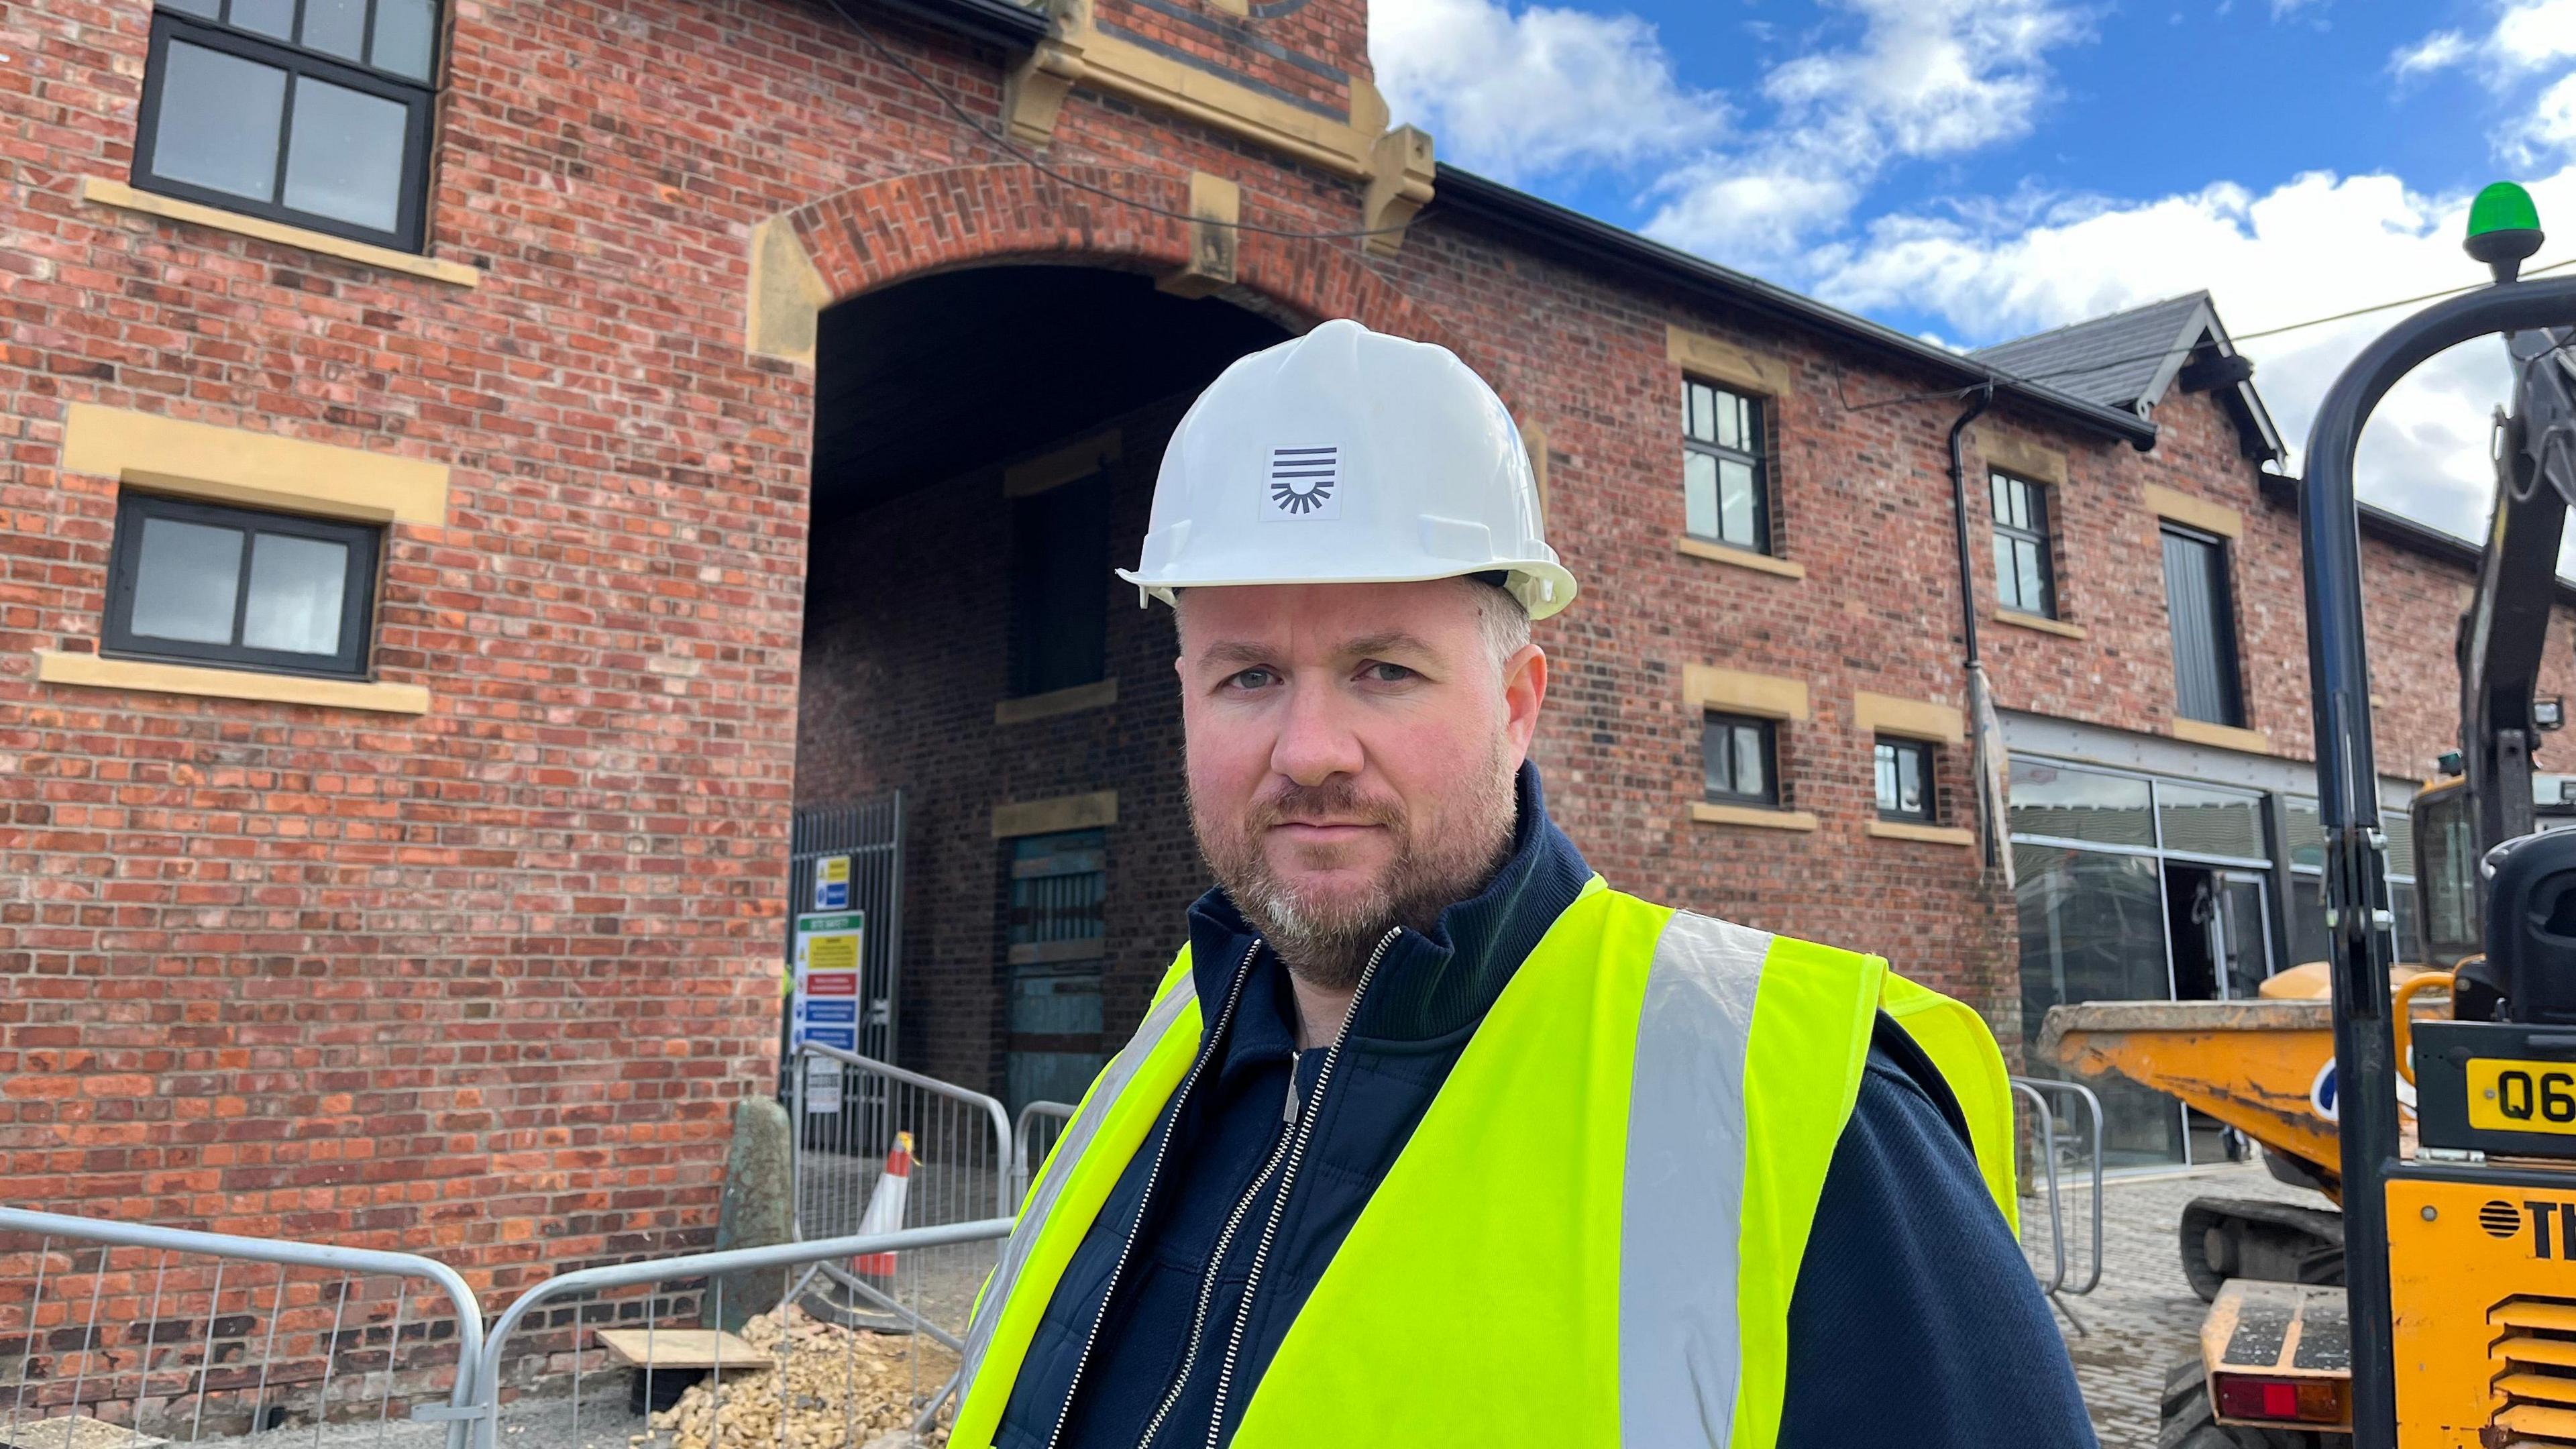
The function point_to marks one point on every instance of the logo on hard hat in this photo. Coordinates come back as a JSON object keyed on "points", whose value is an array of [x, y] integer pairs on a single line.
{"points": [[1303, 481]]}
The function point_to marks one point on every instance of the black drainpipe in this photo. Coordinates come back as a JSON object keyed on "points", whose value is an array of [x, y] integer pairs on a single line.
{"points": [[1970, 664]]}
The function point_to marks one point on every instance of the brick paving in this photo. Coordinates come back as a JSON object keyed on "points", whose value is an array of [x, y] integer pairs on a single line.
{"points": [[2144, 1316]]}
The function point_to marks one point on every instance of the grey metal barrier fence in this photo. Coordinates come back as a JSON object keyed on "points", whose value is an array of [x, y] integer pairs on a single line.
{"points": [[2038, 1090], [1033, 1136], [783, 1377], [880, 1148], [126, 1333]]}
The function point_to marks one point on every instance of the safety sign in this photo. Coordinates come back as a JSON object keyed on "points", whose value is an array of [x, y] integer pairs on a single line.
{"points": [[827, 959], [832, 883]]}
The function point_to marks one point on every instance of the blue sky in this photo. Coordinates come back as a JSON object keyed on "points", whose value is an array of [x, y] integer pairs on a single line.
{"points": [[1976, 169]]}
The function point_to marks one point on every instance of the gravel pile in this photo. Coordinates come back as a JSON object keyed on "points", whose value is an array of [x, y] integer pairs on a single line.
{"points": [[830, 1388]]}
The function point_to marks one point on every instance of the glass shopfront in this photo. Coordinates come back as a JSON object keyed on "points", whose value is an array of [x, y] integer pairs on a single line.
{"points": [[2134, 886]]}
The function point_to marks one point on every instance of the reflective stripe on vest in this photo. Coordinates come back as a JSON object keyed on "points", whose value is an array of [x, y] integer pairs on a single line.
{"points": [[1178, 998], [1591, 1237]]}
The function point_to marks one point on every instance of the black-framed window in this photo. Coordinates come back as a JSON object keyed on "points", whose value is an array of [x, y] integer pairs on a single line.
{"points": [[1741, 758], [2202, 610], [1905, 785], [2025, 575], [242, 587], [1060, 587], [315, 113], [1725, 487]]}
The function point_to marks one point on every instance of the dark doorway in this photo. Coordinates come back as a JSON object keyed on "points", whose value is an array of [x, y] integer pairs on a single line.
{"points": [[2215, 922], [932, 378], [985, 448]]}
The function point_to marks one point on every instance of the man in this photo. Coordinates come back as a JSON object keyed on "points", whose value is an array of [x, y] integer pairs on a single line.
{"points": [[1431, 1138]]}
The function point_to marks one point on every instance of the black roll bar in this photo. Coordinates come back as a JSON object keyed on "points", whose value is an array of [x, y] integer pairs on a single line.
{"points": [[2356, 878]]}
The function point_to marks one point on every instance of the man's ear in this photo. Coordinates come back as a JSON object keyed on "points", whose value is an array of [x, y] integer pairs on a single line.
{"points": [[1524, 691]]}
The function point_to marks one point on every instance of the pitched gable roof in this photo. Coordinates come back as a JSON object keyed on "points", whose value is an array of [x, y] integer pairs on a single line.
{"points": [[2129, 361]]}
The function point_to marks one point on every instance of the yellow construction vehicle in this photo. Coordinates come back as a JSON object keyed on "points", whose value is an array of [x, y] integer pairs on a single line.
{"points": [[2438, 1309]]}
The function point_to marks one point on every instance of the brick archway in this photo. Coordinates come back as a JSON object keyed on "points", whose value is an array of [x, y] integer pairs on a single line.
{"points": [[902, 227]]}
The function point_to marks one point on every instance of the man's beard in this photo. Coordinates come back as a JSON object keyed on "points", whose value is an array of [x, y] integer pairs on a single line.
{"points": [[1328, 944]]}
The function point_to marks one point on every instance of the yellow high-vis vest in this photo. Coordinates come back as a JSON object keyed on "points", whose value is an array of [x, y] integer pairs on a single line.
{"points": [[1592, 1237]]}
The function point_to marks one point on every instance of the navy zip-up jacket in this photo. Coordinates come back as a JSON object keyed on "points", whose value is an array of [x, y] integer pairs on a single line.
{"points": [[1915, 1321]]}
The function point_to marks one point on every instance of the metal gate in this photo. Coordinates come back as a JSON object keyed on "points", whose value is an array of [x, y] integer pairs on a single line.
{"points": [[870, 833]]}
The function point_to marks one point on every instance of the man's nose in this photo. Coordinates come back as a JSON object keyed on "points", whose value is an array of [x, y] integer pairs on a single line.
{"points": [[1315, 740]]}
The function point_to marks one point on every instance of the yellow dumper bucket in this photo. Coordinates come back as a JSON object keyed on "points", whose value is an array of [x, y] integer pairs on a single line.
{"points": [[2254, 1065]]}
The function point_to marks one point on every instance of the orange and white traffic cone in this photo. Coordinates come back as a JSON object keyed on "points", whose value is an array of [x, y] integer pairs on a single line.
{"points": [[885, 1212]]}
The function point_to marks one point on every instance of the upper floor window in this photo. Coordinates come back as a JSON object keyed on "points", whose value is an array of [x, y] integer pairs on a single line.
{"points": [[2025, 579], [2203, 614], [1905, 789], [1740, 757], [315, 113], [240, 587], [1059, 587], [1723, 484]]}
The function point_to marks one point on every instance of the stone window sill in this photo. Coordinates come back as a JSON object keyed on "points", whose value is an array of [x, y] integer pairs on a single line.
{"points": [[1098, 695], [2225, 737], [89, 670], [1706, 813], [2019, 620], [1743, 558], [1928, 834], [117, 194]]}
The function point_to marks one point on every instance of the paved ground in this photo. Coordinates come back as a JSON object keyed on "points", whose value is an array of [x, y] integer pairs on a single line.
{"points": [[2144, 1316]]}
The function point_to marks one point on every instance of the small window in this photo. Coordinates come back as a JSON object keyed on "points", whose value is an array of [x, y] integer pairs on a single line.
{"points": [[1060, 587], [240, 587], [311, 112], [1724, 487], [2203, 616], [1904, 780], [1741, 757], [2025, 579]]}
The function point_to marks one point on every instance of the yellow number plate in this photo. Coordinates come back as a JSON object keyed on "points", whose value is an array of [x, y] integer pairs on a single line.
{"points": [[2517, 1096]]}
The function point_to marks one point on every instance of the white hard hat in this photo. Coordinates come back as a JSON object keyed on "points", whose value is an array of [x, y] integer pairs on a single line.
{"points": [[1347, 457]]}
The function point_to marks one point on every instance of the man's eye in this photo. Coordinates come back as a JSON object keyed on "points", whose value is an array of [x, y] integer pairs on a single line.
{"points": [[1380, 673], [1254, 679]]}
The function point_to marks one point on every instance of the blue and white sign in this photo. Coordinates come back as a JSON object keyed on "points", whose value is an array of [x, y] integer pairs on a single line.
{"points": [[832, 883]]}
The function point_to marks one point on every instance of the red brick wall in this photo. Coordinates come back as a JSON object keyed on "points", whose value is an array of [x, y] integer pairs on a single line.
{"points": [[2111, 569], [484, 982]]}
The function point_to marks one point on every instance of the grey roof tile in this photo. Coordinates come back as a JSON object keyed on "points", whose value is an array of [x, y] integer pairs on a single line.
{"points": [[2113, 360]]}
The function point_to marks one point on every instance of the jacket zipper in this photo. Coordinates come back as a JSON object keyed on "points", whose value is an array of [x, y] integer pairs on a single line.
{"points": [[1287, 1182], [1216, 1261], [1117, 1270]]}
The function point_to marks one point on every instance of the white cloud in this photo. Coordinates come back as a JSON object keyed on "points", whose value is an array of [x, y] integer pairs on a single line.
{"points": [[2551, 125], [2316, 245], [2438, 51], [2527, 35], [1929, 77], [1543, 90], [2530, 34], [1738, 210], [1926, 79], [1537, 91]]}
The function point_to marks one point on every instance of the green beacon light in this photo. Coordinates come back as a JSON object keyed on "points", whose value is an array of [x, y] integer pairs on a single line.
{"points": [[2504, 228]]}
